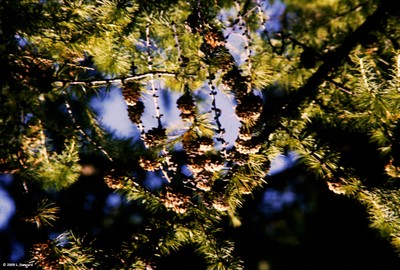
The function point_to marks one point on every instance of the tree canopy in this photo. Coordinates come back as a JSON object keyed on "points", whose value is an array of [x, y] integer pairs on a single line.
{"points": [[319, 80]]}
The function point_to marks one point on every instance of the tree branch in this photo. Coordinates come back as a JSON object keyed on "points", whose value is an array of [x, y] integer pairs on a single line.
{"points": [[119, 80], [332, 61]]}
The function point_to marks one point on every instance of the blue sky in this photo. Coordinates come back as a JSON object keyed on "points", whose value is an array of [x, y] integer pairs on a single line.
{"points": [[7, 208], [7, 205]]}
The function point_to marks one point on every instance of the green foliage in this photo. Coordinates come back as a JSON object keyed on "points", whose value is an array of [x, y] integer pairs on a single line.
{"points": [[328, 79], [383, 209], [52, 170], [64, 252], [45, 214]]}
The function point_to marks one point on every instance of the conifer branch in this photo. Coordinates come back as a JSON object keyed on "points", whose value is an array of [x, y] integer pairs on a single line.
{"points": [[154, 90], [340, 86], [45, 214], [43, 142], [118, 80], [217, 114], [247, 36], [242, 13], [260, 15], [150, 67], [148, 47], [332, 61], [213, 91], [79, 128], [245, 11], [398, 66], [165, 174], [177, 43], [365, 80], [210, 184], [344, 13], [265, 31], [263, 22]]}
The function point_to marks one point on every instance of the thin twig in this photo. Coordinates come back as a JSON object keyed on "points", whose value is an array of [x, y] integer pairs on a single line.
{"points": [[340, 86], [119, 80], [81, 131]]}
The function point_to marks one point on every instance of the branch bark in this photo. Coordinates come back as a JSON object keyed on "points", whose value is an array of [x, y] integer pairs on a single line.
{"points": [[332, 61], [120, 80]]}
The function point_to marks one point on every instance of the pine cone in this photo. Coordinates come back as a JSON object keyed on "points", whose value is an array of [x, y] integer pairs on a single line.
{"points": [[113, 182], [212, 163], [235, 81], [135, 112], [131, 92], [203, 180], [239, 158], [176, 202], [336, 188], [197, 147], [155, 137], [190, 117], [220, 204], [149, 164], [245, 134], [44, 257], [203, 185], [191, 147], [205, 144], [186, 103], [249, 108], [195, 168], [214, 39], [246, 147]]}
